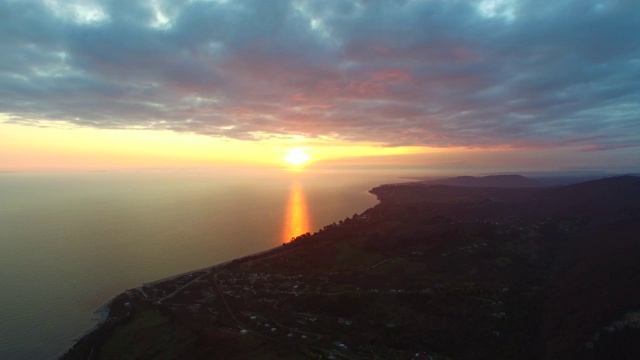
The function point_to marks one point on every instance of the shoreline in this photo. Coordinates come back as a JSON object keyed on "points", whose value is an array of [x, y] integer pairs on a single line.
{"points": [[103, 314], [400, 234], [104, 309], [211, 267]]}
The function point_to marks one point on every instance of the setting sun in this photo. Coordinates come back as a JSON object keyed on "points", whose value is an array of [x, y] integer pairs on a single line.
{"points": [[297, 157]]}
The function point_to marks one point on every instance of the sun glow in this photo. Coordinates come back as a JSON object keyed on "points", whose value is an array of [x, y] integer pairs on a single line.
{"points": [[50, 146], [297, 157], [297, 221]]}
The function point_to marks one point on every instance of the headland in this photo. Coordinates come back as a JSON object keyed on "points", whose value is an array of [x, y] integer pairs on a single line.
{"points": [[432, 272]]}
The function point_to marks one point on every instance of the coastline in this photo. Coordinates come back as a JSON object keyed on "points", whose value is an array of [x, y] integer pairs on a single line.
{"points": [[330, 272], [212, 267], [103, 314], [105, 309], [100, 280]]}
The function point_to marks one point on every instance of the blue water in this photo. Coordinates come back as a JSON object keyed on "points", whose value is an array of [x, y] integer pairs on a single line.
{"points": [[71, 241]]}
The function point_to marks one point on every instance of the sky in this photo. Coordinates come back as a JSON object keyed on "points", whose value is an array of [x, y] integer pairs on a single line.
{"points": [[487, 85]]}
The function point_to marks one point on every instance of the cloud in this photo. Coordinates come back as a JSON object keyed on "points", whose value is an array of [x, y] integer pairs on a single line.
{"points": [[437, 73]]}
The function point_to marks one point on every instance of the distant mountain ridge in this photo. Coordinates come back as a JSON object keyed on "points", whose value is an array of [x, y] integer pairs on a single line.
{"points": [[498, 181]]}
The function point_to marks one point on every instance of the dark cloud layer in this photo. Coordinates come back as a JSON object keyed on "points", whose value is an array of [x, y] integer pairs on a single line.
{"points": [[440, 73]]}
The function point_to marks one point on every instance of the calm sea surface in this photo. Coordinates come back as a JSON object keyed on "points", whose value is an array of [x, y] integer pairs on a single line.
{"points": [[71, 241]]}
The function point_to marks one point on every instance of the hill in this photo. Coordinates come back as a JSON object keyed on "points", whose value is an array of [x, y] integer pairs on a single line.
{"points": [[497, 181], [431, 272]]}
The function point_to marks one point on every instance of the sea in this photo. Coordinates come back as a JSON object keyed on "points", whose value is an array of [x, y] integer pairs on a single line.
{"points": [[70, 241]]}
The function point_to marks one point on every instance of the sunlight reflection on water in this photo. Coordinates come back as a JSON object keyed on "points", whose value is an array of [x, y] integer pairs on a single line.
{"points": [[70, 241], [296, 220]]}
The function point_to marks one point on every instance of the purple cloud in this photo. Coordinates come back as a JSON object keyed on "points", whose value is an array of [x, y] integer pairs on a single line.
{"points": [[438, 73]]}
